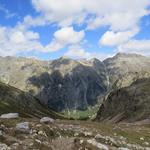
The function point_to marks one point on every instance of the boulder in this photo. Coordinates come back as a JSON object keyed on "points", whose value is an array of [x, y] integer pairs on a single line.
{"points": [[122, 148], [94, 143], [1, 133], [46, 120], [4, 147], [23, 127], [9, 116]]}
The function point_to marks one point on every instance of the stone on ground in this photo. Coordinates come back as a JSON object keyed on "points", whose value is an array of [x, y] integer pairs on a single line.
{"points": [[9, 116], [46, 120]]}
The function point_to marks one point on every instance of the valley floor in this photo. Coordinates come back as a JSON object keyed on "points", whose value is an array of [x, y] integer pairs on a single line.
{"points": [[73, 135]]}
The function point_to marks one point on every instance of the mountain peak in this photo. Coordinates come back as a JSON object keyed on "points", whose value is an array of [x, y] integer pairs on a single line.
{"points": [[120, 54]]}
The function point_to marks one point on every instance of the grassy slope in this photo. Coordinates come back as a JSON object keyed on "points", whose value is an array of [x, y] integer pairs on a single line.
{"points": [[127, 104], [15, 100], [82, 115]]}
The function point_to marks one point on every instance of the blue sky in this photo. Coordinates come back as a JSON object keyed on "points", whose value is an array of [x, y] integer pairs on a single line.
{"points": [[48, 29]]}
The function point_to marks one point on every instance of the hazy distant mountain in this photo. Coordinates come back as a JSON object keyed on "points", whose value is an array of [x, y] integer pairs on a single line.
{"points": [[130, 103], [65, 84]]}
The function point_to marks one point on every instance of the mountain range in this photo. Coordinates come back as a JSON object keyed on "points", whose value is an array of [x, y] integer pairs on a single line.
{"points": [[65, 84]]}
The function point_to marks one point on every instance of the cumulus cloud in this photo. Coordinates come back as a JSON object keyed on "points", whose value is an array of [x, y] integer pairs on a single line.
{"points": [[111, 38], [64, 37], [77, 52], [13, 41], [119, 15], [64, 12], [68, 35], [16, 40], [136, 46]]}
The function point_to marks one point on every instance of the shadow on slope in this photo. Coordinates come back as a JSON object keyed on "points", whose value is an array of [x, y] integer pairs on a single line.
{"points": [[14, 100], [75, 90]]}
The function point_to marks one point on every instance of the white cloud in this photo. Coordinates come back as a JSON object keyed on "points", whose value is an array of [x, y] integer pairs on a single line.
{"points": [[29, 21], [16, 40], [17, 37], [68, 35], [122, 17], [64, 12], [118, 21], [111, 38], [136, 46], [77, 52], [64, 37], [119, 15]]}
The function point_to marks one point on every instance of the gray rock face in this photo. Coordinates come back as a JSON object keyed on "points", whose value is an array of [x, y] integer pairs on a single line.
{"points": [[62, 84], [9, 116]]}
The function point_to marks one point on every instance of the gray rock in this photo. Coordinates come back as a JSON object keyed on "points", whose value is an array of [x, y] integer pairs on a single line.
{"points": [[87, 133], [146, 143], [4, 147], [97, 145], [1, 133], [23, 127], [9, 116], [46, 120], [98, 136], [122, 148]]}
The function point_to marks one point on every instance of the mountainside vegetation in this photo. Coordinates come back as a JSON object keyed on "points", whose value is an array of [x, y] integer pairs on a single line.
{"points": [[13, 100], [130, 103]]}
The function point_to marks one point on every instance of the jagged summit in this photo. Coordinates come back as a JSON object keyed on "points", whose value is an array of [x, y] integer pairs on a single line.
{"points": [[120, 54]]}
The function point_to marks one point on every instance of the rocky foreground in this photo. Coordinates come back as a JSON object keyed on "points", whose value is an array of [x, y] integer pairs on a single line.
{"points": [[49, 134]]}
